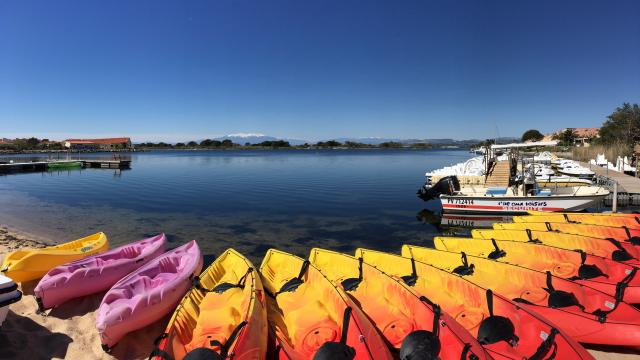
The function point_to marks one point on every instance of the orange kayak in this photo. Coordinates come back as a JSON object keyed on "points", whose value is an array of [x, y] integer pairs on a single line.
{"points": [[631, 222], [586, 314], [611, 277], [599, 231], [506, 330], [607, 248], [399, 314], [312, 319]]}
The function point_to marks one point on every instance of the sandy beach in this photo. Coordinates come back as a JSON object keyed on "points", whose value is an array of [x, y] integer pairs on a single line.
{"points": [[68, 332]]}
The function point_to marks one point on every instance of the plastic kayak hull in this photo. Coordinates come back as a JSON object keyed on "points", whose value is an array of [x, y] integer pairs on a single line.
{"points": [[393, 308], [230, 298], [593, 271], [32, 264], [585, 314], [95, 273], [632, 222], [611, 249], [147, 294], [622, 234], [469, 305], [306, 311]]}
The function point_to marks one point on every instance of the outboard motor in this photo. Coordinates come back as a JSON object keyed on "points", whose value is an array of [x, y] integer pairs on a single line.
{"points": [[448, 185]]}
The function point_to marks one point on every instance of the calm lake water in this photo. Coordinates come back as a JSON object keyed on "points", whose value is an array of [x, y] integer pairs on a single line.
{"points": [[249, 200]]}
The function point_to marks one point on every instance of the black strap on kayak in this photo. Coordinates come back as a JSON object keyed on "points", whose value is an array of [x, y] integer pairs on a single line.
{"points": [[558, 298], [545, 346], [467, 354], [530, 236], [587, 271], [465, 268], [549, 227], [495, 328], [413, 278], [351, 284], [437, 313], [156, 351], [497, 253], [635, 240], [292, 284], [621, 254], [346, 318], [222, 287], [224, 348], [619, 296]]}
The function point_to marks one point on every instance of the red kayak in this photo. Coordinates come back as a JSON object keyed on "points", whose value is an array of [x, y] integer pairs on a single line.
{"points": [[585, 314], [620, 233]]}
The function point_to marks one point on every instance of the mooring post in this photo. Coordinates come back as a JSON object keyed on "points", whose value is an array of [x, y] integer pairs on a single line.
{"points": [[614, 206]]}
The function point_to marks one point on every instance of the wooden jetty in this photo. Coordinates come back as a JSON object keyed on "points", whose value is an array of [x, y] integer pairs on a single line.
{"points": [[626, 183], [13, 167]]}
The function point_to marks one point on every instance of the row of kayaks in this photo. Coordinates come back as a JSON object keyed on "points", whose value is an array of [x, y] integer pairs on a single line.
{"points": [[514, 293]]}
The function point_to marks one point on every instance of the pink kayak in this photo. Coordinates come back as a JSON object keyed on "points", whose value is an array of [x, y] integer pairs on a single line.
{"points": [[96, 273], [147, 294]]}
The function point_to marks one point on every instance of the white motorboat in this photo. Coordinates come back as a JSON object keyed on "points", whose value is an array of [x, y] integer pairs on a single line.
{"points": [[575, 169], [513, 199]]}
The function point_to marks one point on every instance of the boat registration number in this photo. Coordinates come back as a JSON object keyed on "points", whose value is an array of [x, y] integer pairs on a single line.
{"points": [[460, 201]]}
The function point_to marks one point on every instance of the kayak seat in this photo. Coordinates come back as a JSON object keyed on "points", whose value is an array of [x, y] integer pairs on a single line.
{"points": [[226, 319], [496, 328], [562, 299], [587, 271]]}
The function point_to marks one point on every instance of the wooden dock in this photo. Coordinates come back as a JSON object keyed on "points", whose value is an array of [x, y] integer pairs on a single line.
{"points": [[626, 183], [33, 166]]}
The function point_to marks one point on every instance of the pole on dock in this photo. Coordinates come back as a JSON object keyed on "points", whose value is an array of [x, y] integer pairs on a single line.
{"points": [[614, 206]]}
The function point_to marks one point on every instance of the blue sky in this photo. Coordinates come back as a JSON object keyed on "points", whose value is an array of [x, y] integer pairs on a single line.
{"points": [[179, 70]]}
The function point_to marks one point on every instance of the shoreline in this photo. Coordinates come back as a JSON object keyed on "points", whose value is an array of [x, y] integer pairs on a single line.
{"points": [[68, 331]]}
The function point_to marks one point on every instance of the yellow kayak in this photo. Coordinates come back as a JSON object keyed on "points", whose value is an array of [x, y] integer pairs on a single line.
{"points": [[32, 264], [628, 221], [543, 213], [225, 311]]}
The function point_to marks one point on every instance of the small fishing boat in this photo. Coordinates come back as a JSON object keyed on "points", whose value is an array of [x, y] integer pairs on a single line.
{"points": [[571, 168], [95, 273], [32, 264], [61, 165], [147, 294]]}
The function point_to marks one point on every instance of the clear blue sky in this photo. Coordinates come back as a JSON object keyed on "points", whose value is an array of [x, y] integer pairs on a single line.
{"points": [[159, 70]]}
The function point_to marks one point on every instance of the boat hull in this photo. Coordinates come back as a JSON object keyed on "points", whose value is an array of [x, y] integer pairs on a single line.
{"points": [[516, 204]]}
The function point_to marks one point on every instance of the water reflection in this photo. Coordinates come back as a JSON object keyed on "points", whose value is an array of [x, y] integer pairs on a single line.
{"points": [[446, 222]]}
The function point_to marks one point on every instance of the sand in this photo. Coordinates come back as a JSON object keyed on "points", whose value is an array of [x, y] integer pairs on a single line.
{"points": [[68, 332]]}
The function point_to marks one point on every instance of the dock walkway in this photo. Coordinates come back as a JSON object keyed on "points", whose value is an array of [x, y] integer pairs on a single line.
{"points": [[626, 183], [13, 167]]}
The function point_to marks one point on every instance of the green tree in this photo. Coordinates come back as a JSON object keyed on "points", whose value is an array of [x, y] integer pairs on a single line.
{"points": [[180, 144], [566, 138], [227, 143], [192, 144], [532, 135], [390, 144], [623, 125]]}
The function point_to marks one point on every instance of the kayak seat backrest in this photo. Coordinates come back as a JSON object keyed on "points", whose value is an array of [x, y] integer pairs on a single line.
{"points": [[562, 299], [494, 329], [590, 271]]}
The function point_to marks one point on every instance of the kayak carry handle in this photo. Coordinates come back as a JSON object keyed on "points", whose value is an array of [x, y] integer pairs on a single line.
{"points": [[545, 346]]}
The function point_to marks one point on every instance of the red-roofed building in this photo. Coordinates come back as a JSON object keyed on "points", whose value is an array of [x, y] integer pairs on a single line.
{"points": [[98, 144]]}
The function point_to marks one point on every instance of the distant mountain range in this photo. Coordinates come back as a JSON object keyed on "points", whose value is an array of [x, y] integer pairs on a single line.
{"points": [[255, 138]]}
